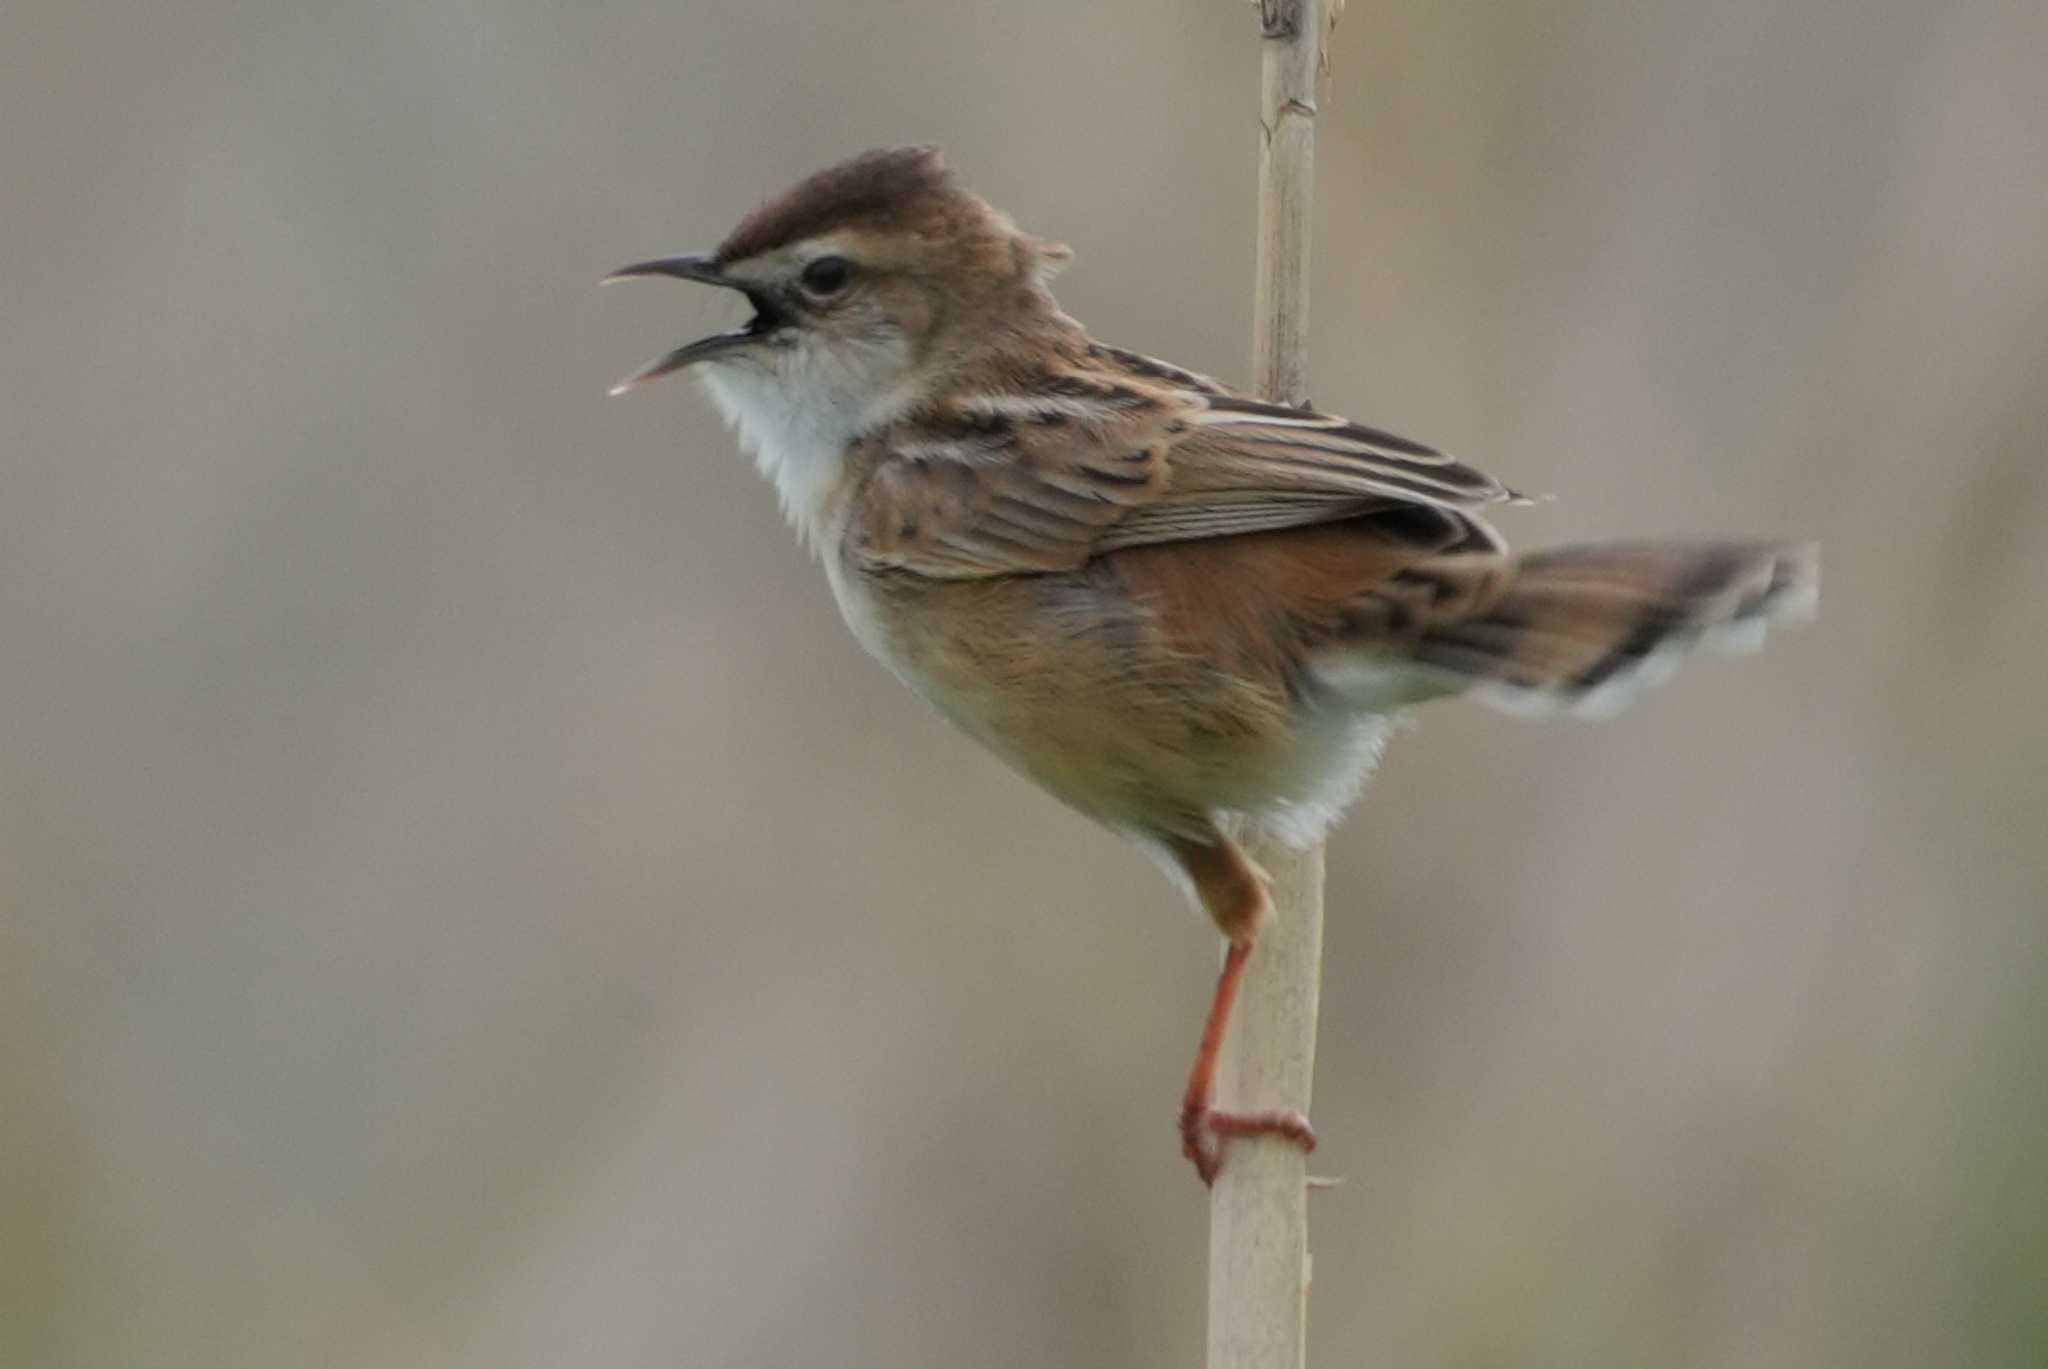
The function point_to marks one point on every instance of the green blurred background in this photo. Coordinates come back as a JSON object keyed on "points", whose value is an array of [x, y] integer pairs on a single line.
{"points": [[469, 903]]}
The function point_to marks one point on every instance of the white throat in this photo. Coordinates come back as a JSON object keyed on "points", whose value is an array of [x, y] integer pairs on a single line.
{"points": [[797, 420]]}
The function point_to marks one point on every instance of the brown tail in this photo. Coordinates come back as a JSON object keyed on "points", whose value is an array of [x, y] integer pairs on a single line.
{"points": [[1583, 630]]}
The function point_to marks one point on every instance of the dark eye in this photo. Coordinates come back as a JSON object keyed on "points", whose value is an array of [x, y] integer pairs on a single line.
{"points": [[827, 275]]}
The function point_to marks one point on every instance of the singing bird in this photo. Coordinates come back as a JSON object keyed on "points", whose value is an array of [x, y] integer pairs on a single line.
{"points": [[1182, 611]]}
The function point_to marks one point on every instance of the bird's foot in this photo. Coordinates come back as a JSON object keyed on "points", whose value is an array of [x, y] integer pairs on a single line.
{"points": [[1204, 1130]]}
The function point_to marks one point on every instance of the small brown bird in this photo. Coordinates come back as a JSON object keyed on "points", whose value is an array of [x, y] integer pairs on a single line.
{"points": [[1178, 609]]}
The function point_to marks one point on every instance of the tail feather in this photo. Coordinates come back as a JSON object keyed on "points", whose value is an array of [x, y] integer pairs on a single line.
{"points": [[1584, 630]]}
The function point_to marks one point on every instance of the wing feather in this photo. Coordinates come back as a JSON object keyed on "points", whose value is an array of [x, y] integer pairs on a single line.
{"points": [[1123, 451]]}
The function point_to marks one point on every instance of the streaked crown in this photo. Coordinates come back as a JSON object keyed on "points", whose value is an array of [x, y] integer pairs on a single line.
{"points": [[903, 194]]}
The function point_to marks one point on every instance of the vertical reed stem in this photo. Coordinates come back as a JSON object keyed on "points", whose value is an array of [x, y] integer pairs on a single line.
{"points": [[1258, 1212]]}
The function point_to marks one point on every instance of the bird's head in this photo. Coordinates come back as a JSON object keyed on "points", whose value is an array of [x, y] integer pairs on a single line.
{"points": [[871, 282]]}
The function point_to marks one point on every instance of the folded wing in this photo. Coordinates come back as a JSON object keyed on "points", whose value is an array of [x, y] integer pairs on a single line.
{"points": [[1132, 453]]}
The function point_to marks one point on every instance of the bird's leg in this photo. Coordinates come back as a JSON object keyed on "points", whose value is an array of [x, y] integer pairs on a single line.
{"points": [[1203, 1128], [1234, 891]]}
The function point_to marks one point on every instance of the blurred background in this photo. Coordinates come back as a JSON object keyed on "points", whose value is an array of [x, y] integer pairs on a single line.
{"points": [[469, 903]]}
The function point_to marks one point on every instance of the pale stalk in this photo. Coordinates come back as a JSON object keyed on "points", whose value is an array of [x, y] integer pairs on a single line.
{"points": [[1258, 1210]]}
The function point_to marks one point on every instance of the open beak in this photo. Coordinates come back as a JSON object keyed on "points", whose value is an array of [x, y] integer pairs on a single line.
{"points": [[703, 269]]}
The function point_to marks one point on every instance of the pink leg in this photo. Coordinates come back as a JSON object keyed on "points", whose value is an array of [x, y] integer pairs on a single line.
{"points": [[1202, 1128]]}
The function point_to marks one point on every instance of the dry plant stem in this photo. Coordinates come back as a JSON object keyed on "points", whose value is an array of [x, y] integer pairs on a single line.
{"points": [[1258, 1210]]}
